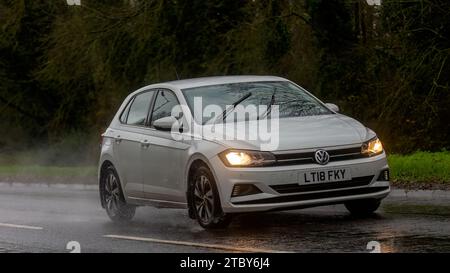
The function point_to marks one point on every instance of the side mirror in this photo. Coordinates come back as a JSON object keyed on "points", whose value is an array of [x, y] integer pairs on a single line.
{"points": [[333, 107], [165, 123]]}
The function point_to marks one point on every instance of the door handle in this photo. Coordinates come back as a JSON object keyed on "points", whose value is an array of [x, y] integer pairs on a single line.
{"points": [[145, 144], [117, 139]]}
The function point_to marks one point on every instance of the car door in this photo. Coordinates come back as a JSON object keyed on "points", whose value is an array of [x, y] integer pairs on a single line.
{"points": [[162, 159], [128, 142]]}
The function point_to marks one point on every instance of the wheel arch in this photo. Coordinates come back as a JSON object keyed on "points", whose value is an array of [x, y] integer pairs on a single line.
{"points": [[108, 162], [102, 171], [196, 160]]}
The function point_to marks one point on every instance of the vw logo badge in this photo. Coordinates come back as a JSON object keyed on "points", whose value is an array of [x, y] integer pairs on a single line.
{"points": [[322, 157]]}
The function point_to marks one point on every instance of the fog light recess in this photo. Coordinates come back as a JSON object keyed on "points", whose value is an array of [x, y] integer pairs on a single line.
{"points": [[244, 189], [384, 176]]}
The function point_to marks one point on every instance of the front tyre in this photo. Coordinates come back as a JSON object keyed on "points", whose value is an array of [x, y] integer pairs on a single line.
{"points": [[205, 200], [113, 198], [364, 207]]}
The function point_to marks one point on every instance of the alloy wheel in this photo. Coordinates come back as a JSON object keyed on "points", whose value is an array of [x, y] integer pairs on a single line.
{"points": [[204, 199], [112, 194]]}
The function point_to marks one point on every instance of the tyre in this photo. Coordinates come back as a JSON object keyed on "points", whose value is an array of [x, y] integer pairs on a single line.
{"points": [[205, 200], [113, 198], [363, 207]]}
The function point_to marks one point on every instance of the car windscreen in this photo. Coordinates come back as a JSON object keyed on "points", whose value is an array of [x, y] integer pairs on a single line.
{"points": [[291, 100]]}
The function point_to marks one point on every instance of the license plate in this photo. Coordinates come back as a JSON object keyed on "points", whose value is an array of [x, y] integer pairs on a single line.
{"points": [[319, 176]]}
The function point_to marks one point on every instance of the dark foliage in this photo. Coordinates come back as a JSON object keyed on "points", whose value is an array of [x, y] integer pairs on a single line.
{"points": [[65, 69]]}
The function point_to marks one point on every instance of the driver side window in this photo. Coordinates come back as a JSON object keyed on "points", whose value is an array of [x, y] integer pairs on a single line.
{"points": [[164, 103]]}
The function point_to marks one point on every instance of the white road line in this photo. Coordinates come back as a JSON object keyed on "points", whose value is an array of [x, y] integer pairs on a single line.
{"points": [[193, 244], [20, 226]]}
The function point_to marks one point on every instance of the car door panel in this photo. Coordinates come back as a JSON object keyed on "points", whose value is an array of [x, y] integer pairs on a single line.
{"points": [[128, 142], [127, 147], [162, 170], [162, 167]]}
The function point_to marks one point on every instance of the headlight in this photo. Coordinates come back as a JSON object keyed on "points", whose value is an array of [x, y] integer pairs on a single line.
{"points": [[372, 147], [237, 158]]}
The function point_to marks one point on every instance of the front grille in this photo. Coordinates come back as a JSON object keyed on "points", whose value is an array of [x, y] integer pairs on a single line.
{"points": [[308, 157], [296, 188], [313, 196]]}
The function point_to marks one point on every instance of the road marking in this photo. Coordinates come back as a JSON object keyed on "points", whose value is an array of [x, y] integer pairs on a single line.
{"points": [[20, 226], [193, 244]]}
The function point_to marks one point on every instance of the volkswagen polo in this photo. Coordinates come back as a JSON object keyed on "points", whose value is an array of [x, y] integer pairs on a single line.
{"points": [[173, 145]]}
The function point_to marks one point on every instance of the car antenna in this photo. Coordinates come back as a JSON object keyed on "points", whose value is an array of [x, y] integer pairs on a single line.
{"points": [[176, 73]]}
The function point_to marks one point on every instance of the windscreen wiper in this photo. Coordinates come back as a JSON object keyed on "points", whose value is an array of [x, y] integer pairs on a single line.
{"points": [[229, 109], [269, 106]]}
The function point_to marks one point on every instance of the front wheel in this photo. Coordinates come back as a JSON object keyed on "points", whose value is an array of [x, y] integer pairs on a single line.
{"points": [[113, 199], [206, 202], [364, 207]]}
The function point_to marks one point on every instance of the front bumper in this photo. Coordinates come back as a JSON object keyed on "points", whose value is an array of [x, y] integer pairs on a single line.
{"points": [[280, 188]]}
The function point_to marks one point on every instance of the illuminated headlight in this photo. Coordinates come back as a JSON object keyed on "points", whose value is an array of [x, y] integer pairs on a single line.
{"points": [[236, 158], [372, 147]]}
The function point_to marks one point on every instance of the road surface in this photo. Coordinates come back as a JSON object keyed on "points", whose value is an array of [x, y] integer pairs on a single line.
{"points": [[46, 219]]}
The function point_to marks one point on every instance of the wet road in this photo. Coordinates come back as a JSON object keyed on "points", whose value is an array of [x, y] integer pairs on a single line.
{"points": [[46, 219]]}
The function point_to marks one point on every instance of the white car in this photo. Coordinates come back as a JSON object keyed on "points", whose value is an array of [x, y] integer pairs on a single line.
{"points": [[159, 151]]}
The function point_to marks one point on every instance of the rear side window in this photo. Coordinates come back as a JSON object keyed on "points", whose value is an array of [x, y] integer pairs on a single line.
{"points": [[124, 115], [165, 102], [138, 109]]}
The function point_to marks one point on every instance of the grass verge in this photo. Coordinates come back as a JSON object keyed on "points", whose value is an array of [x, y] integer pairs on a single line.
{"points": [[48, 174], [420, 170], [48, 170]]}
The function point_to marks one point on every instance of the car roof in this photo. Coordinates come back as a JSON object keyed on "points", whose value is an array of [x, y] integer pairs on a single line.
{"points": [[205, 81]]}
